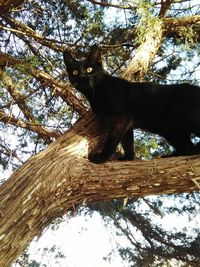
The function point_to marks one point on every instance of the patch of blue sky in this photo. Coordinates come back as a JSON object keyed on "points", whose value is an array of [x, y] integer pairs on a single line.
{"points": [[188, 70], [189, 7]]}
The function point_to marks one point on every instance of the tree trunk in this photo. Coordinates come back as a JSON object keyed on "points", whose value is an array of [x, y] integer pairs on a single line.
{"points": [[140, 64], [60, 178]]}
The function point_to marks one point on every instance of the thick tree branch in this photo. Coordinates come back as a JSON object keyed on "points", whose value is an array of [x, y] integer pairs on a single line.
{"points": [[146, 52], [60, 178]]}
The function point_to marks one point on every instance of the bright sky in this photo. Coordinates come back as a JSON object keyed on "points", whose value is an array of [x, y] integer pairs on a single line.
{"points": [[85, 243]]}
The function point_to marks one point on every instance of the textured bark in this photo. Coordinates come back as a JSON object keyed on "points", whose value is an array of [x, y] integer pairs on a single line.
{"points": [[146, 52], [185, 21], [60, 178]]}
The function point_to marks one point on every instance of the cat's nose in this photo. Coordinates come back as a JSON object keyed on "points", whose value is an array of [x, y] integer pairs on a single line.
{"points": [[83, 75]]}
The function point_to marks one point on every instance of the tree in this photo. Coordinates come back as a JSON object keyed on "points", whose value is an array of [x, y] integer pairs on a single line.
{"points": [[38, 108]]}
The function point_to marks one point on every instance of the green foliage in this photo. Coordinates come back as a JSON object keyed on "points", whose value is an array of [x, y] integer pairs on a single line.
{"points": [[148, 21], [188, 36], [52, 253]]}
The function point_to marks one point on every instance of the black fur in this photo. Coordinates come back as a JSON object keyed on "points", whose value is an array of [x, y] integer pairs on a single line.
{"points": [[172, 111]]}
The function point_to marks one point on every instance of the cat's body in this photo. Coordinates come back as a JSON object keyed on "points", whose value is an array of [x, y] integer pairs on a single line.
{"points": [[172, 111]]}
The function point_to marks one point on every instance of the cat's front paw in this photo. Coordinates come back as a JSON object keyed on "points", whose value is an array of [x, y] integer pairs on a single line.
{"points": [[126, 157], [96, 158]]}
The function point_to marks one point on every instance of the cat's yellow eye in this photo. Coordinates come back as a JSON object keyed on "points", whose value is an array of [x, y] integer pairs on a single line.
{"points": [[75, 72], [90, 69]]}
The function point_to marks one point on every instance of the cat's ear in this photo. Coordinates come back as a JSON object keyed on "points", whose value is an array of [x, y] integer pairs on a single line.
{"points": [[95, 55], [68, 59]]}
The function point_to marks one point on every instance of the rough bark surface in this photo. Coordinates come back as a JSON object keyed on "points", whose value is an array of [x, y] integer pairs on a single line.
{"points": [[60, 178], [146, 52]]}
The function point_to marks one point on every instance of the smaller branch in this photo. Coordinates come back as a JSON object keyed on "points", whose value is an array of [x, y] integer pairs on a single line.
{"points": [[109, 4], [185, 21], [21, 29], [9, 153], [165, 5], [17, 96], [58, 88], [10, 103], [41, 130]]}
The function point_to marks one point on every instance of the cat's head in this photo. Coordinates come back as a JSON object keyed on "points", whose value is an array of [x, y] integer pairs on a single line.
{"points": [[83, 74]]}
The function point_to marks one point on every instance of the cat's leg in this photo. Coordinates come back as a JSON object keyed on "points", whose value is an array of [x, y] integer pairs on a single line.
{"points": [[128, 145], [117, 127], [196, 150], [182, 144], [196, 129], [182, 140], [197, 145]]}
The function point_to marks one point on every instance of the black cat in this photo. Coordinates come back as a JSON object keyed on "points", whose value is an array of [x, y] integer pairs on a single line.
{"points": [[172, 111]]}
